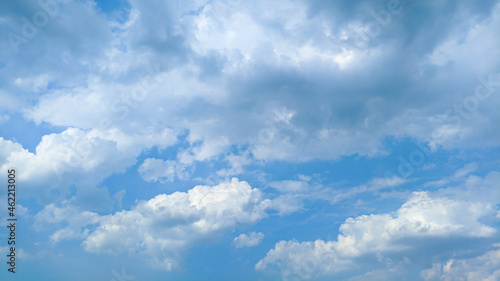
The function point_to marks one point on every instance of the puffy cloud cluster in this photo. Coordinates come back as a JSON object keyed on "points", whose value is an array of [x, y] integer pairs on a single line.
{"points": [[161, 229], [304, 260], [422, 216], [75, 156]]}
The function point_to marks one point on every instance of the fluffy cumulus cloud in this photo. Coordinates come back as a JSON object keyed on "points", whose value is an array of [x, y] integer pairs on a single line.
{"points": [[75, 156], [422, 216], [163, 228], [250, 240]]}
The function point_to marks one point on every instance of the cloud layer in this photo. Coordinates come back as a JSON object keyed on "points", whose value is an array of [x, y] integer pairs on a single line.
{"points": [[107, 102]]}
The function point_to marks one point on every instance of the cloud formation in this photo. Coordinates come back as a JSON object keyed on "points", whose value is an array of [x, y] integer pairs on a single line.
{"points": [[422, 216], [251, 240], [215, 71], [485, 267], [75, 156], [162, 229], [264, 91]]}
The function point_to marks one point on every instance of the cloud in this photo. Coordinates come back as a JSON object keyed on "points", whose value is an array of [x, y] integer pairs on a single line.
{"points": [[474, 188], [290, 186], [392, 271], [60, 159], [153, 170], [426, 216], [20, 253], [217, 71], [293, 193], [162, 229], [237, 164], [75, 156], [484, 267], [251, 240], [79, 32], [249, 84], [76, 220], [457, 176], [287, 204], [422, 216], [305, 260], [375, 185]]}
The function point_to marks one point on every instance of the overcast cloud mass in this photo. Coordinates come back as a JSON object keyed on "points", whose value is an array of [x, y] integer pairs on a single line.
{"points": [[251, 140]]}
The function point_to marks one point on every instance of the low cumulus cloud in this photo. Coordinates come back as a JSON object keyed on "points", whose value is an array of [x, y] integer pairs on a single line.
{"points": [[423, 216], [161, 229]]}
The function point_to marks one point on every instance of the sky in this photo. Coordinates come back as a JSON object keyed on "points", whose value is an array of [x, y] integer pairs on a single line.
{"points": [[251, 140]]}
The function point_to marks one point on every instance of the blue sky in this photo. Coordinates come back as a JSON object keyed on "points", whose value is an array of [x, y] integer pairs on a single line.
{"points": [[263, 140]]}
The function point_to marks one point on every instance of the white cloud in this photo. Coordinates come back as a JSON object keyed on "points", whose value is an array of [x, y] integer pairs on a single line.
{"points": [[251, 240], [294, 192], [161, 229], [153, 170], [474, 188], [426, 216], [20, 253], [76, 220], [398, 271], [460, 174], [465, 171], [290, 186], [485, 267], [227, 72], [237, 164], [233, 52], [287, 204], [59, 158], [77, 157], [460, 47], [422, 216], [69, 109], [304, 260]]}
